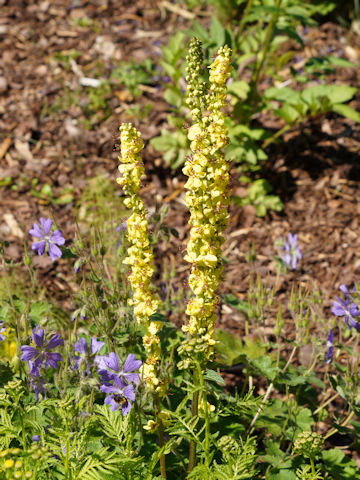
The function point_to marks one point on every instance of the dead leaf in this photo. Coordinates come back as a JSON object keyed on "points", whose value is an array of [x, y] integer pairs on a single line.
{"points": [[10, 221], [24, 150]]}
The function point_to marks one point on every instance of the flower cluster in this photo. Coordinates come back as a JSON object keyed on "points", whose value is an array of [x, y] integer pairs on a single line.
{"points": [[117, 383], [347, 308], [85, 353], [291, 251], [40, 355], [140, 254], [48, 241], [207, 199]]}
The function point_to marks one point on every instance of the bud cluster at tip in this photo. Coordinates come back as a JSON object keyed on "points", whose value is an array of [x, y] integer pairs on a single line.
{"points": [[207, 199], [140, 254]]}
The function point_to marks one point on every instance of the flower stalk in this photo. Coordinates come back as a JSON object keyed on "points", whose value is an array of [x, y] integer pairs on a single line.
{"points": [[207, 199]]}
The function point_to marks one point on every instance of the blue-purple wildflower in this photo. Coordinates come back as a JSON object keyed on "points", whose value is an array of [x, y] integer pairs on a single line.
{"points": [[2, 330], [48, 241], [82, 348], [122, 227], [292, 251], [119, 394], [118, 382], [40, 354], [109, 367], [330, 347], [346, 308]]}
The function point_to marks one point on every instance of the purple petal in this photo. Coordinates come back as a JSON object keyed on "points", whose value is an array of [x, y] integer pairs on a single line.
{"points": [[109, 389], [112, 361], [129, 393], [100, 362], [292, 239], [35, 366], [28, 352], [131, 363], [38, 335], [36, 438], [54, 251], [57, 238], [132, 377], [344, 289], [338, 309], [81, 346], [2, 337], [53, 359], [46, 225], [106, 376], [39, 246], [110, 401], [354, 323], [54, 341], [119, 382], [96, 345], [354, 310], [330, 354], [36, 232], [126, 407], [330, 339]]}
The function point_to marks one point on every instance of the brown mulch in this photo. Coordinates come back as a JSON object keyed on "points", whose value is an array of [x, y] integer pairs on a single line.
{"points": [[315, 171]]}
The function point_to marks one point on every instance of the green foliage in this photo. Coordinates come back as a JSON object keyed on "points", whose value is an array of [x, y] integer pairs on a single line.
{"points": [[256, 42]]}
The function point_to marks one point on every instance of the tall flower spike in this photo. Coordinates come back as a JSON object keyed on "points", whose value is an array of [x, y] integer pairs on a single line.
{"points": [[207, 199], [140, 254], [196, 88]]}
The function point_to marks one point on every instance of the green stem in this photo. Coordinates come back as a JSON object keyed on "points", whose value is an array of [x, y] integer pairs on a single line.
{"points": [[161, 437], [194, 414], [312, 466], [334, 430], [207, 418], [243, 21], [260, 59]]}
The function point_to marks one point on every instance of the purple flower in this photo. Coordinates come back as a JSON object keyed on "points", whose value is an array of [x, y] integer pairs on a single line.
{"points": [[292, 251], [36, 356], [2, 330], [49, 241], [36, 438], [81, 347], [119, 394], [122, 227], [109, 368], [348, 310], [330, 345], [38, 385]]}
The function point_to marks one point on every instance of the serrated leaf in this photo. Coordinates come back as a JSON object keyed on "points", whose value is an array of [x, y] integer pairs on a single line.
{"points": [[213, 376]]}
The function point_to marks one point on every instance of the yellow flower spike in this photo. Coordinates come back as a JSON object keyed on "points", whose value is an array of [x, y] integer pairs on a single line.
{"points": [[140, 254], [207, 199]]}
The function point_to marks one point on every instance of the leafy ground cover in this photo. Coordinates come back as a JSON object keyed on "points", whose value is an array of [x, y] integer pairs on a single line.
{"points": [[71, 74]]}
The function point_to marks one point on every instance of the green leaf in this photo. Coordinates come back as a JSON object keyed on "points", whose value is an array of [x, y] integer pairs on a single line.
{"points": [[39, 310], [265, 367], [288, 113], [239, 88], [217, 32], [335, 93], [213, 376], [340, 466], [347, 112], [173, 96]]}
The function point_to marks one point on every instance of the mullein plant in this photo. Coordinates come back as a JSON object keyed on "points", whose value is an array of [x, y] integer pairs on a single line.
{"points": [[140, 260], [140, 254], [207, 199]]}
